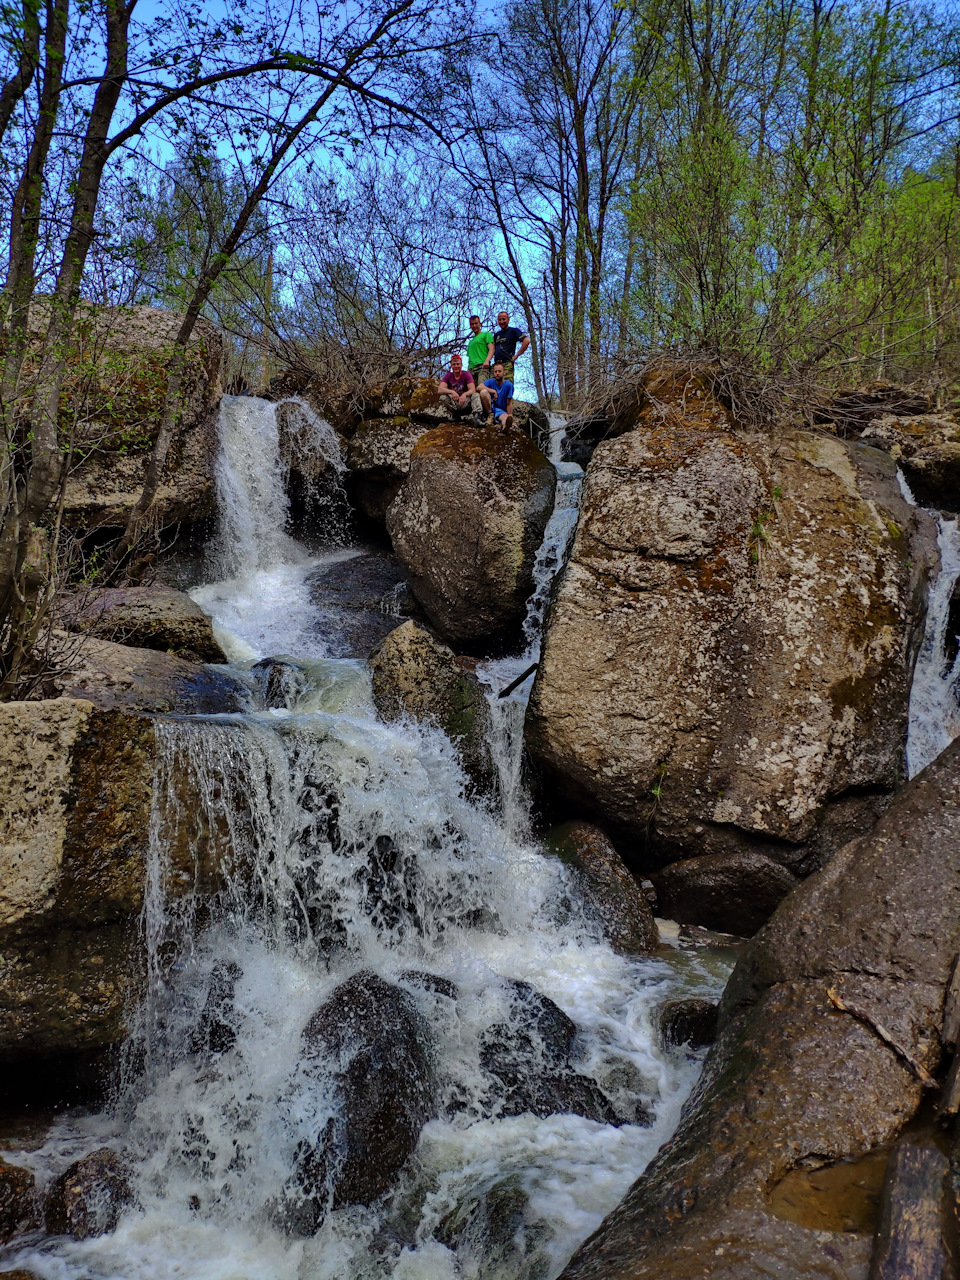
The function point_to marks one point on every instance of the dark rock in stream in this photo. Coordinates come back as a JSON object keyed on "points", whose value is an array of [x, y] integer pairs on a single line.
{"points": [[367, 1040], [611, 892], [688, 1021], [733, 892], [215, 1031], [800, 1078], [88, 1198], [279, 684], [362, 600], [529, 1054], [18, 1201]]}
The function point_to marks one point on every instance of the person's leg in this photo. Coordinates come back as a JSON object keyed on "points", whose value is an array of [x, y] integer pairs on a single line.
{"points": [[508, 370]]}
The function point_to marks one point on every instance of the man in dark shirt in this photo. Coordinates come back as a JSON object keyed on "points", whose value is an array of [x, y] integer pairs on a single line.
{"points": [[505, 341], [458, 394]]}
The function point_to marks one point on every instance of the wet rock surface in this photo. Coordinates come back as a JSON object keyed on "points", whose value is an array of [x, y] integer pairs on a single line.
{"points": [[727, 661], [614, 897], [363, 599], [415, 675], [19, 1210], [794, 1081], [77, 787], [146, 617], [927, 447], [88, 1198], [731, 892], [121, 677], [530, 1056], [688, 1021], [467, 524], [368, 1038]]}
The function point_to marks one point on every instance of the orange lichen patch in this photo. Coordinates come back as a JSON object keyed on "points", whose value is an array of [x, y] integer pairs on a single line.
{"points": [[836, 1197], [513, 452]]}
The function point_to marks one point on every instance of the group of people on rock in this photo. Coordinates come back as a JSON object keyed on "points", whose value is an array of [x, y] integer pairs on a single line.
{"points": [[484, 389]]}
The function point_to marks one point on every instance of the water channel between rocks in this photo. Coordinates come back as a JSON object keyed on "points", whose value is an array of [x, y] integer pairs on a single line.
{"points": [[350, 846]]}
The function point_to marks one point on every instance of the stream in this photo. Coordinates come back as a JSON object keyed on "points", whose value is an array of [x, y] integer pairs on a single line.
{"points": [[320, 844]]}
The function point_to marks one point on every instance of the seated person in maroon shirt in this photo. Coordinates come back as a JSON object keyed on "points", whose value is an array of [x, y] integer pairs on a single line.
{"points": [[458, 394]]}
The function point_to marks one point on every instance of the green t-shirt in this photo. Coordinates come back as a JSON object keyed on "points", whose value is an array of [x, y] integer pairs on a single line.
{"points": [[477, 349]]}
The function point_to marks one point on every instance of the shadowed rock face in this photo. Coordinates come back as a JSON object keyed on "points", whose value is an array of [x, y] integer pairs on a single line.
{"points": [[736, 891], [727, 663], [793, 1082], [467, 524]]}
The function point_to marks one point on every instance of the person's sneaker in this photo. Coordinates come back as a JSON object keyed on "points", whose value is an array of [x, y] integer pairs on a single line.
{"points": [[508, 422], [479, 421]]}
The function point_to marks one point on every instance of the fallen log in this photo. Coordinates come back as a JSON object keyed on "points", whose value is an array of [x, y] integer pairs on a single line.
{"points": [[910, 1242]]}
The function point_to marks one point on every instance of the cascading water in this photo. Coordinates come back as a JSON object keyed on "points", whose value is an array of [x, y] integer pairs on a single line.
{"points": [[934, 716], [292, 850]]}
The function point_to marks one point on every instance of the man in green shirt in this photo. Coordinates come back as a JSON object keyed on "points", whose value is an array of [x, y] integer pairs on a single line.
{"points": [[480, 357]]}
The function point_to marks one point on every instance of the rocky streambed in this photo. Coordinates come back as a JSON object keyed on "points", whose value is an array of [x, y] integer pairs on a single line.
{"points": [[366, 951]]}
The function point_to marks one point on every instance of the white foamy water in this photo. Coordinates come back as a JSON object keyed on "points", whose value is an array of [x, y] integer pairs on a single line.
{"points": [[935, 692], [507, 714], [290, 850]]}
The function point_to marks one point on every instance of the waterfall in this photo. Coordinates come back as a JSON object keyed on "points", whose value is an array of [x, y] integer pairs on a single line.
{"points": [[934, 714], [291, 850], [506, 715], [934, 718]]}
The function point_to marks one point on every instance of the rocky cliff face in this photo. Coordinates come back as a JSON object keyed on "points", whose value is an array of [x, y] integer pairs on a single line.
{"points": [[113, 399], [800, 1080], [727, 663]]}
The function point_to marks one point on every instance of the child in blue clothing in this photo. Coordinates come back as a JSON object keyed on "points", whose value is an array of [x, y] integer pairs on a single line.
{"points": [[501, 398]]}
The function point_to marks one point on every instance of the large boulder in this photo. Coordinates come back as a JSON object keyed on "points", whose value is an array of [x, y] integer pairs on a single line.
{"points": [[113, 397], [727, 663], [77, 785], [735, 892], [416, 676], [467, 524], [827, 1029], [611, 893], [367, 1040], [408, 397], [119, 676], [147, 617]]}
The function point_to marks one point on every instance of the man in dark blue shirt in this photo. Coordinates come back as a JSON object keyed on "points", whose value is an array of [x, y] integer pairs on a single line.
{"points": [[505, 341]]}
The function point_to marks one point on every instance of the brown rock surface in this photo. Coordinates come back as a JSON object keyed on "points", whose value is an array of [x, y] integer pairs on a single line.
{"points": [[727, 660], [611, 892], [76, 783], [147, 617], [117, 386], [467, 524], [795, 1083], [119, 676], [88, 1198], [927, 446]]}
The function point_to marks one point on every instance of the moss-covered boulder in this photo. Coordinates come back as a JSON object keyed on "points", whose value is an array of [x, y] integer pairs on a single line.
{"points": [[416, 676], [829, 1034], [467, 524], [379, 460]]}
